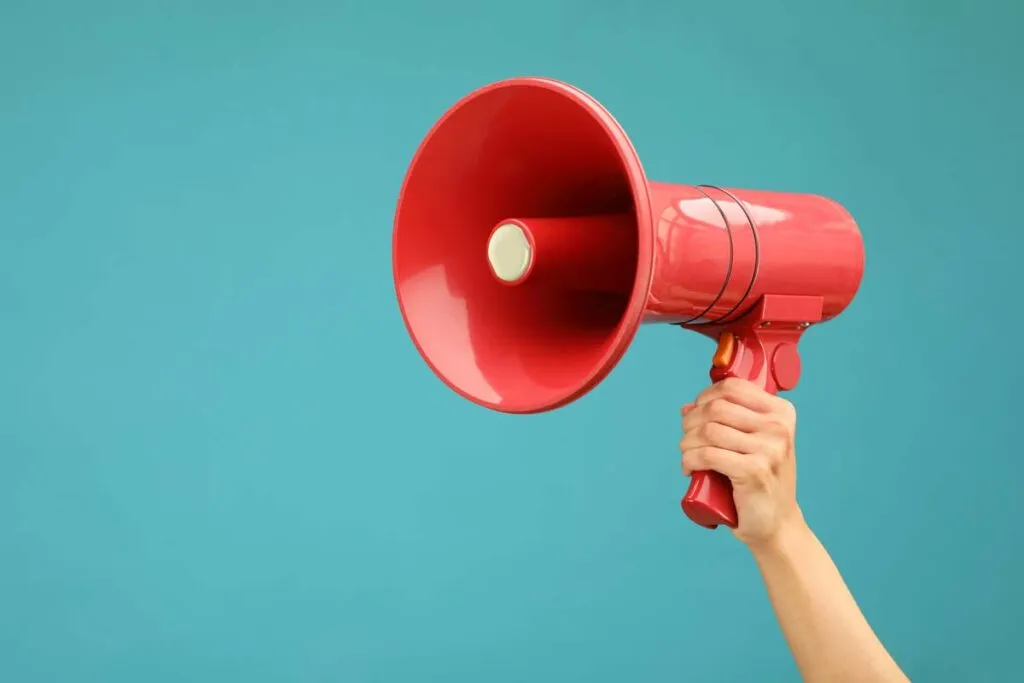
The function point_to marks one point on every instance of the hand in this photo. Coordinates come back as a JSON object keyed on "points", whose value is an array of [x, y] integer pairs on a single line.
{"points": [[736, 428]]}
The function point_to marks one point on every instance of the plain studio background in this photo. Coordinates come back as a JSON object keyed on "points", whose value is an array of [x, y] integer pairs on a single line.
{"points": [[221, 458]]}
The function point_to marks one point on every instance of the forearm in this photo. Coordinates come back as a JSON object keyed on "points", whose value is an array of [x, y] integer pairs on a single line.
{"points": [[830, 639]]}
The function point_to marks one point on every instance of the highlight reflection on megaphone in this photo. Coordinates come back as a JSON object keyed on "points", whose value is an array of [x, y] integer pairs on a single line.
{"points": [[529, 246]]}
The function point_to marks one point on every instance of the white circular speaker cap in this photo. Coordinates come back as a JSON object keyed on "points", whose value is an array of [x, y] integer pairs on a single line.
{"points": [[509, 252]]}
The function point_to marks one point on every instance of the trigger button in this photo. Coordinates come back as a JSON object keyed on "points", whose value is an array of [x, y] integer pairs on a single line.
{"points": [[725, 352]]}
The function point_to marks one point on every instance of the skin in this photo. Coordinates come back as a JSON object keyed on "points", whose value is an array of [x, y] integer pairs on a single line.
{"points": [[736, 428]]}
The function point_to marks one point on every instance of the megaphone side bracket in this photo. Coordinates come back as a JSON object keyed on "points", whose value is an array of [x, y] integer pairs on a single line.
{"points": [[772, 329]]}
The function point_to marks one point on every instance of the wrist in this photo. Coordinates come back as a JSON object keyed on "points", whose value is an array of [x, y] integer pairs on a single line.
{"points": [[791, 535]]}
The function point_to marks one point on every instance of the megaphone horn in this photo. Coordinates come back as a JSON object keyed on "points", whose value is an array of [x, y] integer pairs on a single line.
{"points": [[529, 246]]}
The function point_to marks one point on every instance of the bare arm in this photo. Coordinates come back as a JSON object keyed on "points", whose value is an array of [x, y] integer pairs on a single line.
{"points": [[826, 631], [736, 428]]}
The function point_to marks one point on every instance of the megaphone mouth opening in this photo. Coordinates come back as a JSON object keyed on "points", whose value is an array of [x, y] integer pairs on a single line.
{"points": [[522, 252]]}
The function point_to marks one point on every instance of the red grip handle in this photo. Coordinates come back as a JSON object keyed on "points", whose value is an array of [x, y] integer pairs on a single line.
{"points": [[769, 360], [709, 502]]}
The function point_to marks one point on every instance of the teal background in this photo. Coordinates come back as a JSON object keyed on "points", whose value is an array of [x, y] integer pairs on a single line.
{"points": [[222, 460]]}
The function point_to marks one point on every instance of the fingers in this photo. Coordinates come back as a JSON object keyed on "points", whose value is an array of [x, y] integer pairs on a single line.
{"points": [[746, 394], [704, 458], [720, 436], [752, 470], [737, 428], [725, 412]]}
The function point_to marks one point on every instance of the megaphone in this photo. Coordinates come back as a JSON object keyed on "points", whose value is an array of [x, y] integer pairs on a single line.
{"points": [[529, 247]]}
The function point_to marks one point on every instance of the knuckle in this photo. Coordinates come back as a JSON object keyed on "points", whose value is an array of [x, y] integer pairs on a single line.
{"points": [[712, 431], [780, 428], [776, 452], [787, 410], [780, 443], [718, 408], [760, 469], [692, 460]]}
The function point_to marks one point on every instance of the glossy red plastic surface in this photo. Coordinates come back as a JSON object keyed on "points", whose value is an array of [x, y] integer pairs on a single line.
{"points": [[521, 149], [611, 251], [719, 250]]}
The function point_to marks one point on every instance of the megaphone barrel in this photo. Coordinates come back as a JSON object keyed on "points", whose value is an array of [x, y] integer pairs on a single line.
{"points": [[718, 250], [529, 247]]}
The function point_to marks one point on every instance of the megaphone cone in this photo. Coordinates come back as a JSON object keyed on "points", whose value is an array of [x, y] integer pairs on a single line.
{"points": [[529, 246]]}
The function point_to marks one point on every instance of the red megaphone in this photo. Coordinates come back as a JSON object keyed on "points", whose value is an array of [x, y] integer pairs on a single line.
{"points": [[529, 246]]}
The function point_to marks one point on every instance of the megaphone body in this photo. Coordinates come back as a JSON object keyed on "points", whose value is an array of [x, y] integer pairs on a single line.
{"points": [[529, 247]]}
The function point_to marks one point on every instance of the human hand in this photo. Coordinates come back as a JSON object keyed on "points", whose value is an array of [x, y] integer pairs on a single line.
{"points": [[740, 430]]}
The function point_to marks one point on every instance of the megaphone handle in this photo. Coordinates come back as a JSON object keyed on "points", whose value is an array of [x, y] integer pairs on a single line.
{"points": [[770, 360], [708, 502]]}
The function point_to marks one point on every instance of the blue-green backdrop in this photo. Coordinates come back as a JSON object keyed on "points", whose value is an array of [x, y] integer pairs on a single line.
{"points": [[222, 460]]}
